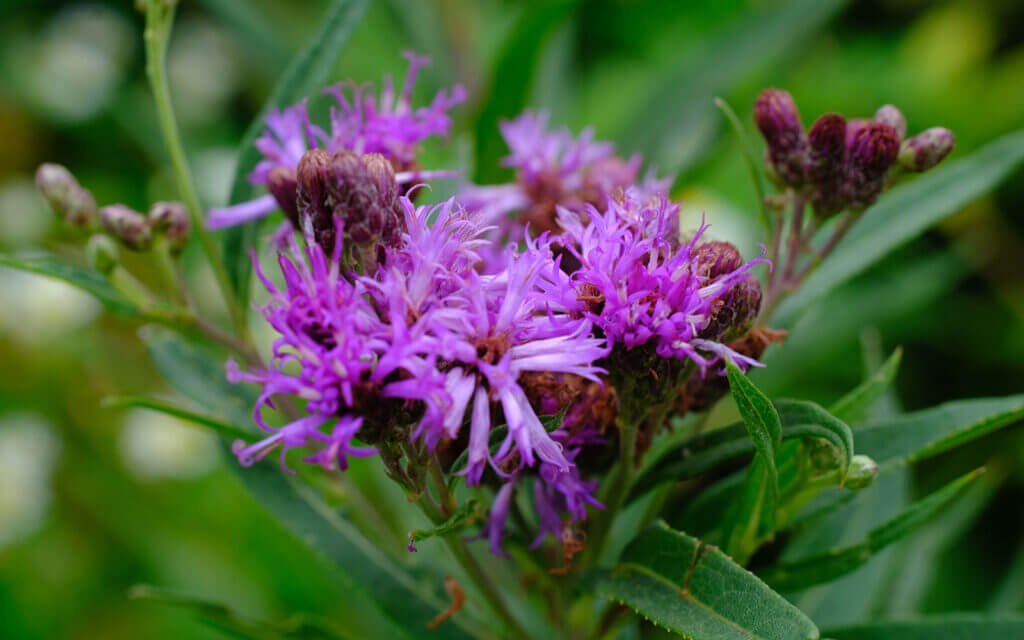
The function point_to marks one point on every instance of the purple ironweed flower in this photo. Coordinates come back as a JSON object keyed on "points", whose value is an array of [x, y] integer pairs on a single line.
{"points": [[360, 122], [637, 284]]}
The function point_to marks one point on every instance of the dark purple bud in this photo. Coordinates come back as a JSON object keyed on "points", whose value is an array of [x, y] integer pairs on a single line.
{"points": [[778, 120], [823, 166], [382, 174], [890, 115], [102, 253], [355, 198], [283, 185], [714, 259], [734, 311], [872, 148], [926, 149], [170, 219], [311, 197], [128, 226], [65, 196]]}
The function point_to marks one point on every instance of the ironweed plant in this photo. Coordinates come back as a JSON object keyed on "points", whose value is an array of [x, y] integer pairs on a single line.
{"points": [[533, 362]]}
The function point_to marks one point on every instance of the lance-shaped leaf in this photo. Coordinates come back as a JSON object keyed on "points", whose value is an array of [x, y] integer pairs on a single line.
{"points": [[306, 73], [905, 213], [88, 281], [854, 406], [834, 563], [162, 406], [923, 434], [695, 590], [957, 626]]}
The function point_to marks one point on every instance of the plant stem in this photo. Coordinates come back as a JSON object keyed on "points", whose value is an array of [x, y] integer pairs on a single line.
{"points": [[159, 18], [615, 493], [462, 555]]}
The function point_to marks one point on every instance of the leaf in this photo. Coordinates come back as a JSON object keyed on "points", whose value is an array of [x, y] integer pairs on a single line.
{"points": [[854, 406], [224, 429], [957, 626], [672, 125], [831, 564], [922, 434], [306, 73], [88, 281], [706, 451], [249, 29], [467, 515], [695, 590], [511, 80], [903, 214], [748, 159]]}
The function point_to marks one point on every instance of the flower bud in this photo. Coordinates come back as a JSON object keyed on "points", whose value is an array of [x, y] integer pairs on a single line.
{"points": [[824, 163], [861, 472], [102, 253], [714, 259], [355, 198], [890, 115], [926, 149], [311, 198], [171, 220], [282, 184], [128, 226], [778, 120], [383, 175], [871, 149], [65, 196]]}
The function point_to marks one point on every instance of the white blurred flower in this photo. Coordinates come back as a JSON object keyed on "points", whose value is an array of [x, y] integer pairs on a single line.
{"points": [[204, 69], [156, 446], [35, 309], [28, 455], [23, 217], [80, 60]]}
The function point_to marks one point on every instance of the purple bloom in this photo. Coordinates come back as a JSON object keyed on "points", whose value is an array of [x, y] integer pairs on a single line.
{"points": [[360, 122]]}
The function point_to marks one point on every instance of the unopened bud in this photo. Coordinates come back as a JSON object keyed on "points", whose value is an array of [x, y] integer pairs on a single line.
{"points": [[861, 473], [872, 148], [382, 174], [282, 184], [778, 120], [824, 163], [715, 259], [735, 310], [890, 115], [355, 198], [65, 196], [102, 253], [926, 149], [128, 226], [171, 220], [311, 196]]}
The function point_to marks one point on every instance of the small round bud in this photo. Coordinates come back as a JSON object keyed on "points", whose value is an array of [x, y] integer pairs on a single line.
{"points": [[128, 226], [54, 182], [382, 174], [735, 310], [283, 185], [871, 148], [356, 198], [65, 196], [890, 115], [171, 220], [861, 473], [311, 179], [714, 259], [824, 164], [823, 456], [778, 120], [926, 149], [102, 253]]}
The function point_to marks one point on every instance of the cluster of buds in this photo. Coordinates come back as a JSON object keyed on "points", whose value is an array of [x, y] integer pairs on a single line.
{"points": [[66, 197], [359, 191], [842, 164], [137, 231]]}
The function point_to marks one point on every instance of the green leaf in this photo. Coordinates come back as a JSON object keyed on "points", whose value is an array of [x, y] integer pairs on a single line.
{"points": [[748, 159], [915, 436], [800, 419], [224, 429], [673, 124], [854, 406], [905, 213], [957, 626], [88, 281], [305, 74], [511, 80], [831, 564], [695, 590], [250, 30], [467, 515]]}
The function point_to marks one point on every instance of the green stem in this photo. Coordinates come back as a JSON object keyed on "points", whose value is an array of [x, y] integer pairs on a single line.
{"points": [[159, 18], [615, 492]]}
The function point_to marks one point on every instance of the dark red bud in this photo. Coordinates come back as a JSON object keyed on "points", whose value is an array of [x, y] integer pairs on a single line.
{"points": [[284, 186], [778, 120]]}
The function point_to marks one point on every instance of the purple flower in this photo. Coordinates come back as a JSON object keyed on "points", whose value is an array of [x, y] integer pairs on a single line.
{"points": [[360, 122]]}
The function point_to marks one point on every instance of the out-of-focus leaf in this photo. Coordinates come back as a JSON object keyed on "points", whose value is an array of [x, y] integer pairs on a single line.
{"points": [[748, 159], [959, 626], [249, 29], [511, 81], [88, 281], [305, 74], [923, 434], [834, 563], [1010, 594], [468, 514], [679, 108], [695, 590], [222, 618], [799, 418], [141, 402], [854, 406], [903, 214]]}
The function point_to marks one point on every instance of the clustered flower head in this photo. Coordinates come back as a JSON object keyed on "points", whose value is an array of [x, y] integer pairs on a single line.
{"points": [[840, 163], [414, 331]]}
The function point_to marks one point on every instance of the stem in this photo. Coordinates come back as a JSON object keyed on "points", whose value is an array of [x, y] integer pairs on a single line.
{"points": [[615, 493], [795, 239], [159, 18], [462, 555], [842, 226]]}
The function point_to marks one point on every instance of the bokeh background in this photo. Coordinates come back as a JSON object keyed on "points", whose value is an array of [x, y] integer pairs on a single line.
{"points": [[94, 500]]}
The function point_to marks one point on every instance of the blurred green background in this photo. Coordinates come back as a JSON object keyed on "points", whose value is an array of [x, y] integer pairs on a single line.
{"points": [[93, 501]]}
